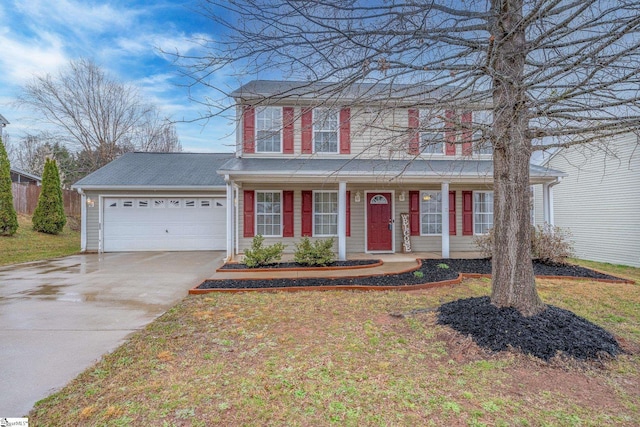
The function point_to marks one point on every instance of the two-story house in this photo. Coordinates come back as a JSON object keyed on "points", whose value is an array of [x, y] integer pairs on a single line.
{"points": [[379, 168]]}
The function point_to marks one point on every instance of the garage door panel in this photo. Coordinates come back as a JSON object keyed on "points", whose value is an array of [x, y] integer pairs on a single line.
{"points": [[171, 224]]}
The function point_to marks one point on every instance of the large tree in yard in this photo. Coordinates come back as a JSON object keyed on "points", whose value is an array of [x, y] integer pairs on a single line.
{"points": [[554, 73]]}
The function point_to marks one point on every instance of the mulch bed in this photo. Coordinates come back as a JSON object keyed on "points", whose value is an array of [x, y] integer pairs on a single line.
{"points": [[545, 335], [431, 270], [289, 265]]}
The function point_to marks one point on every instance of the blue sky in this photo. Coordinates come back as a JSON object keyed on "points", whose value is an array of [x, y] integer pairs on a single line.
{"points": [[124, 38]]}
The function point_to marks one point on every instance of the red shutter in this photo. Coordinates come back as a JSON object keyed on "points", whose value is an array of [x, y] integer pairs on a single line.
{"points": [[249, 131], [345, 131], [452, 213], [467, 133], [414, 213], [307, 213], [449, 133], [467, 213], [307, 131], [287, 130], [414, 122], [249, 213], [287, 210], [348, 231]]}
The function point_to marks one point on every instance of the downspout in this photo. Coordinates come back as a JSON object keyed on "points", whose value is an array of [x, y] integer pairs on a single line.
{"points": [[83, 220], [230, 218], [550, 198]]}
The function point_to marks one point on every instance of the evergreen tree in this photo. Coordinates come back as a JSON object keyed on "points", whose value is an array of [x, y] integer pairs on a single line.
{"points": [[49, 215], [8, 217]]}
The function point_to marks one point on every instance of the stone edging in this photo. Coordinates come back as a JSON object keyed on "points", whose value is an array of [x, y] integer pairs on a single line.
{"points": [[429, 285]]}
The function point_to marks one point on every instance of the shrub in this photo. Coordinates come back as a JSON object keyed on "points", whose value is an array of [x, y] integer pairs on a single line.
{"points": [[418, 274], [259, 255], [8, 217], [318, 253], [549, 244], [49, 216]]}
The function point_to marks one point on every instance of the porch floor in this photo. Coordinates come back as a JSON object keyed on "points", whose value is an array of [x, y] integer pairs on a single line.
{"points": [[392, 263]]}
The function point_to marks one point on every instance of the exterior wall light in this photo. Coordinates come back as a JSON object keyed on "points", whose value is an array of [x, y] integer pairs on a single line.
{"points": [[357, 197]]}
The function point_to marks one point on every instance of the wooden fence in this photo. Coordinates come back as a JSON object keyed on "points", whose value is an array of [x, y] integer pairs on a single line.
{"points": [[25, 199]]}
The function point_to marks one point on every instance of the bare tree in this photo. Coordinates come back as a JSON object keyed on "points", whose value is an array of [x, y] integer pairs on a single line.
{"points": [[553, 72], [101, 116]]}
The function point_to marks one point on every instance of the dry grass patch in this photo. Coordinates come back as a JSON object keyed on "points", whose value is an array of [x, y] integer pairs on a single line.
{"points": [[28, 245], [318, 358]]}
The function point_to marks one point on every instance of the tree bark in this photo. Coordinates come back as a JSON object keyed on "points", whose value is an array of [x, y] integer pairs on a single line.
{"points": [[512, 270]]}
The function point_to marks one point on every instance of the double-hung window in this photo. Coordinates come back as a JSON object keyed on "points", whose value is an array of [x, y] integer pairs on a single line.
{"points": [[325, 130], [431, 213], [481, 142], [268, 129], [482, 211], [269, 213], [325, 213], [431, 132]]}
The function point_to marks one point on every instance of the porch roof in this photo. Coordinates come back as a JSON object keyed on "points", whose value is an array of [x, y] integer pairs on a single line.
{"points": [[368, 170]]}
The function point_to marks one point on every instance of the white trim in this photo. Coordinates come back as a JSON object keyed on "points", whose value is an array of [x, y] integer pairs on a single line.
{"points": [[83, 221], [313, 131], [420, 193], [149, 188], [255, 130], [313, 214], [255, 210], [473, 204], [229, 223], [366, 219]]}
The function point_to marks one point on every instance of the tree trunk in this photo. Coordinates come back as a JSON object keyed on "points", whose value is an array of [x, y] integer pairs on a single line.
{"points": [[513, 279]]}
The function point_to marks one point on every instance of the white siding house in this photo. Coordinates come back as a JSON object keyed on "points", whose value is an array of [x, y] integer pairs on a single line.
{"points": [[599, 200]]}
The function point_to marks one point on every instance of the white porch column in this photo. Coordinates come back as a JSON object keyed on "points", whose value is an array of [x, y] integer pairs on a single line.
{"points": [[445, 219], [230, 218], [83, 221], [550, 197], [342, 221]]}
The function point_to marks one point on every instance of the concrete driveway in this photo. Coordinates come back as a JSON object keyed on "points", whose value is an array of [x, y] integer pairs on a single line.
{"points": [[58, 317]]}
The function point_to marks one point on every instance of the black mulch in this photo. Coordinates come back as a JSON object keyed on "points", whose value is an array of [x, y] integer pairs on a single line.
{"points": [[431, 270], [543, 335], [348, 263]]}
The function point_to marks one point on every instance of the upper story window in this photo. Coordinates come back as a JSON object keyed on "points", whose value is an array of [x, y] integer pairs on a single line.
{"points": [[325, 130], [481, 141], [431, 132], [268, 129]]}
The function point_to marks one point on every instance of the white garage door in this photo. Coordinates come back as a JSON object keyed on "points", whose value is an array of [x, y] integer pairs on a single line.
{"points": [[164, 224]]}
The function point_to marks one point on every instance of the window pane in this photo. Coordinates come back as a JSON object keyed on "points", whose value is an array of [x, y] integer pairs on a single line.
{"points": [[431, 208], [325, 205], [325, 130], [431, 132], [268, 218], [483, 211], [268, 129]]}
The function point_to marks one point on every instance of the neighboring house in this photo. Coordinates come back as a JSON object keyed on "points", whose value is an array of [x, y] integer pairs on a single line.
{"points": [[23, 177], [599, 201], [308, 165], [155, 201]]}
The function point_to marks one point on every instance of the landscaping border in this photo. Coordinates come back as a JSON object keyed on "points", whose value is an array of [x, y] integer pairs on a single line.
{"points": [[378, 263]]}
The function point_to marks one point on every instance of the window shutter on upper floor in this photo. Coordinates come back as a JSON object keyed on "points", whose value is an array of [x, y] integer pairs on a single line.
{"points": [[414, 123], [467, 134], [288, 119], [450, 133], [249, 131], [249, 213], [345, 131], [307, 131], [414, 213], [467, 213], [452, 213], [307, 213], [287, 217]]}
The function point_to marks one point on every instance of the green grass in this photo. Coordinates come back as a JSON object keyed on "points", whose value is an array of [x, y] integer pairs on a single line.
{"points": [[338, 358], [28, 245]]}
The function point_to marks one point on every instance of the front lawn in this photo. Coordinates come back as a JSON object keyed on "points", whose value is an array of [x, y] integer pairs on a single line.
{"points": [[322, 358], [28, 245]]}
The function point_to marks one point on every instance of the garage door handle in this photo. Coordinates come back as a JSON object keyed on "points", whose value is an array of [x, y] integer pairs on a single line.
{"points": [[166, 231]]}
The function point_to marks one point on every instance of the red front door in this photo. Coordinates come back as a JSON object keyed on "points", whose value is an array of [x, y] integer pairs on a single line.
{"points": [[379, 222]]}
